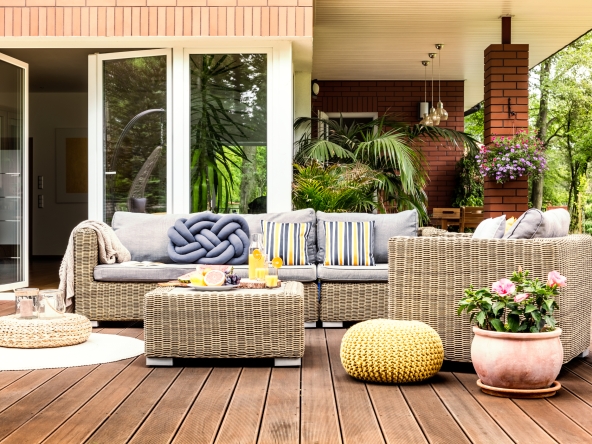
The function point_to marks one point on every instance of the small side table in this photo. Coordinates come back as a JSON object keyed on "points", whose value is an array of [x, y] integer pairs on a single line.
{"points": [[71, 329], [242, 323]]}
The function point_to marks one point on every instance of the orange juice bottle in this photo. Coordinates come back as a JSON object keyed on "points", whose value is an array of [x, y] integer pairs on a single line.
{"points": [[256, 256]]}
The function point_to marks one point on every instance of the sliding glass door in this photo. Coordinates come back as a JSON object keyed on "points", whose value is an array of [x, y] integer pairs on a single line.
{"points": [[13, 174]]}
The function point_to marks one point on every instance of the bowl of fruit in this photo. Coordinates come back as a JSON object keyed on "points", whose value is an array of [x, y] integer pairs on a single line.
{"points": [[208, 279]]}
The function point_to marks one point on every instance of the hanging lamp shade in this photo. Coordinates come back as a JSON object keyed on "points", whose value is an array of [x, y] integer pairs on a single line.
{"points": [[440, 111], [424, 106]]}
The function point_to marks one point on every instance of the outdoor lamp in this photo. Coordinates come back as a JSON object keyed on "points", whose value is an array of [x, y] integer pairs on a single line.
{"points": [[433, 114], [440, 111], [315, 88]]}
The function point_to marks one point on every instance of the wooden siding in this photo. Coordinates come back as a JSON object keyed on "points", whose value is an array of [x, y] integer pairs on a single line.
{"points": [[123, 18]]}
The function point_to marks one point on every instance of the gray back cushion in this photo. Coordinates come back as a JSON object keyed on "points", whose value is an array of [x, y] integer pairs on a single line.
{"points": [[535, 224], [385, 226], [298, 216], [145, 235]]}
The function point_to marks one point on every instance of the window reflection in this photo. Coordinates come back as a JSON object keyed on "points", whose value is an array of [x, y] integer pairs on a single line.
{"points": [[228, 132]]}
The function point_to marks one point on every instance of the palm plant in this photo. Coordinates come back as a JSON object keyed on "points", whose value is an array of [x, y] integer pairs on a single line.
{"points": [[337, 188], [388, 147]]}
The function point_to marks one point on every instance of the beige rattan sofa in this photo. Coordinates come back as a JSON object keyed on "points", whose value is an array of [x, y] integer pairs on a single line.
{"points": [[427, 276], [124, 300]]}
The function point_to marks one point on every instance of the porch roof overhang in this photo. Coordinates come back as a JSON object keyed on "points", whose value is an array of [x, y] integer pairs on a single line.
{"points": [[387, 39]]}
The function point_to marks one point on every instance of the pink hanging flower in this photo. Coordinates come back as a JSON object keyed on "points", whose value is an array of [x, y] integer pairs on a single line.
{"points": [[521, 297], [503, 287], [555, 278]]}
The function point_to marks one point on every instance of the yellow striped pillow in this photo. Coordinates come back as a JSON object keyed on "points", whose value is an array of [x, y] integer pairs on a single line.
{"points": [[287, 241], [349, 243]]}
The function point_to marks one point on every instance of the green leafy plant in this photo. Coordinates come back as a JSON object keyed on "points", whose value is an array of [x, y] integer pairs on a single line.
{"points": [[389, 148], [469, 185], [335, 188], [518, 305]]}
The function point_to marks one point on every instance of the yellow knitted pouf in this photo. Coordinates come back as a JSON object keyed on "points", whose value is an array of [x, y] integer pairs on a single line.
{"points": [[383, 350]]}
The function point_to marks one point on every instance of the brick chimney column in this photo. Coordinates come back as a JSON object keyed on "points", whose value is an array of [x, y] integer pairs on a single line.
{"points": [[506, 111]]}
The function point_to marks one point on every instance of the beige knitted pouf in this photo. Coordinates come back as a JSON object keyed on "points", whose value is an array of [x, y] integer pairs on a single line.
{"points": [[70, 329], [383, 350]]}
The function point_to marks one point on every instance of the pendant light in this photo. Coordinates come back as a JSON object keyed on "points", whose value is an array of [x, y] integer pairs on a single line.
{"points": [[435, 117], [424, 106], [442, 113]]}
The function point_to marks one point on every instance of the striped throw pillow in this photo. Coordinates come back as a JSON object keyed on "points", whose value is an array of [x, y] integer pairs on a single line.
{"points": [[287, 241], [349, 243]]}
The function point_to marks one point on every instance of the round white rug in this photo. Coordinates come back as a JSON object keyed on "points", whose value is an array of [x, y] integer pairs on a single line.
{"points": [[99, 348]]}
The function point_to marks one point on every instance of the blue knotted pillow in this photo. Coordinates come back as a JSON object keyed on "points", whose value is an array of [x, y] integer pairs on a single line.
{"points": [[210, 239]]}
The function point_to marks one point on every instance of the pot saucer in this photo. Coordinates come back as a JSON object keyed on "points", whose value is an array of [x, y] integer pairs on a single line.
{"points": [[518, 393]]}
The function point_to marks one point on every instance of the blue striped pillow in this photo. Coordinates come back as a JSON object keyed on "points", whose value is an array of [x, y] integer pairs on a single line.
{"points": [[349, 243], [287, 241]]}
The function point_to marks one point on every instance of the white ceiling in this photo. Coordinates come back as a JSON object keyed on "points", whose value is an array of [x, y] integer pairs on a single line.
{"points": [[387, 39]]}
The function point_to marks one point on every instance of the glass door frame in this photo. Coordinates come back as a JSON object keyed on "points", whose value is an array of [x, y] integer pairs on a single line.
{"points": [[24, 234], [96, 173]]}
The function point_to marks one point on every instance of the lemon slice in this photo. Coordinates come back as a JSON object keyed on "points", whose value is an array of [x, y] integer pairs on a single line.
{"points": [[257, 254], [277, 262]]}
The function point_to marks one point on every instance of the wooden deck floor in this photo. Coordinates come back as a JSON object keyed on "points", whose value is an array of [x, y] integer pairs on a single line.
{"points": [[247, 402]]}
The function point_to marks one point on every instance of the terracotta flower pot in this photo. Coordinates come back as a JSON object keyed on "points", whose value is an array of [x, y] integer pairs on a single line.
{"points": [[523, 361]]}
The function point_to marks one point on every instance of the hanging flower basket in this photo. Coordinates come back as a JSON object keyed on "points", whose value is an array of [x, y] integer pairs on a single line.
{"points": [[508, 158]]}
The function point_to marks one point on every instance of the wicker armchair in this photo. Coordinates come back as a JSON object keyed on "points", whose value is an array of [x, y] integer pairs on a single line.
{"points": [[427, 276], [124, 301]]}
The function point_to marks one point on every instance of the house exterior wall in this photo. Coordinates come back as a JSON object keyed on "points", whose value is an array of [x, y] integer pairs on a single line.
{"points": [[113, 18], [401, 99]]}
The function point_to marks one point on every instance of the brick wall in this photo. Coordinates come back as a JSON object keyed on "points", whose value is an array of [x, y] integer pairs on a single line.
{"points": [[275, 18], [401, 98]]}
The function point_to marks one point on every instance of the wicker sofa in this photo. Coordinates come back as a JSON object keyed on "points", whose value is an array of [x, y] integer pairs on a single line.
{"points": [[116, 292], [427, 276]]}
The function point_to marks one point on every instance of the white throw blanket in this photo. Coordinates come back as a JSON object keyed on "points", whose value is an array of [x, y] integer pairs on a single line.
{"points": [[111, 250]]}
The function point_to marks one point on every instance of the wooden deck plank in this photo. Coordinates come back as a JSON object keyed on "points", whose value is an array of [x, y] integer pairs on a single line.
{"points": [[356, 414], [581, 369], [25, 385], [555, 423], [433, 417], [203, 420], [394, 416], [472, 418], [167, 416], [65, 405], [571, 406], [123, 422], [31, 404], [576, 385], [319, 421], [7, 378], [81, 425], [508, 415], [242, 419], [281, 420]]}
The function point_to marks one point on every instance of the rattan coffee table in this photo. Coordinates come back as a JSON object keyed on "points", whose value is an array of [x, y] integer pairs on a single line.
{"points": [[242, 323], [71, 329]]}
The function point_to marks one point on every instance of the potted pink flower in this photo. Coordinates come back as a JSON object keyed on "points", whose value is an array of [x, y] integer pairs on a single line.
{"points": [[516, 345]]}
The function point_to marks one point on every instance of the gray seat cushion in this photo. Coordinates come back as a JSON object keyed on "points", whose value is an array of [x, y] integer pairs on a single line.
{"points": [[299, 273], [168, 272], [385, 226], [298, 216], [376, 273], [124, 273]]}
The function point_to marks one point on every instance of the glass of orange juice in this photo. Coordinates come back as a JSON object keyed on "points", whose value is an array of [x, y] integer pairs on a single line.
{"points": [[271, 280]]}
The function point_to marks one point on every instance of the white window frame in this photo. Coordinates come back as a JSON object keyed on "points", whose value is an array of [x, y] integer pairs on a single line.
{"points": [[24, 233], [96, 160]]}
